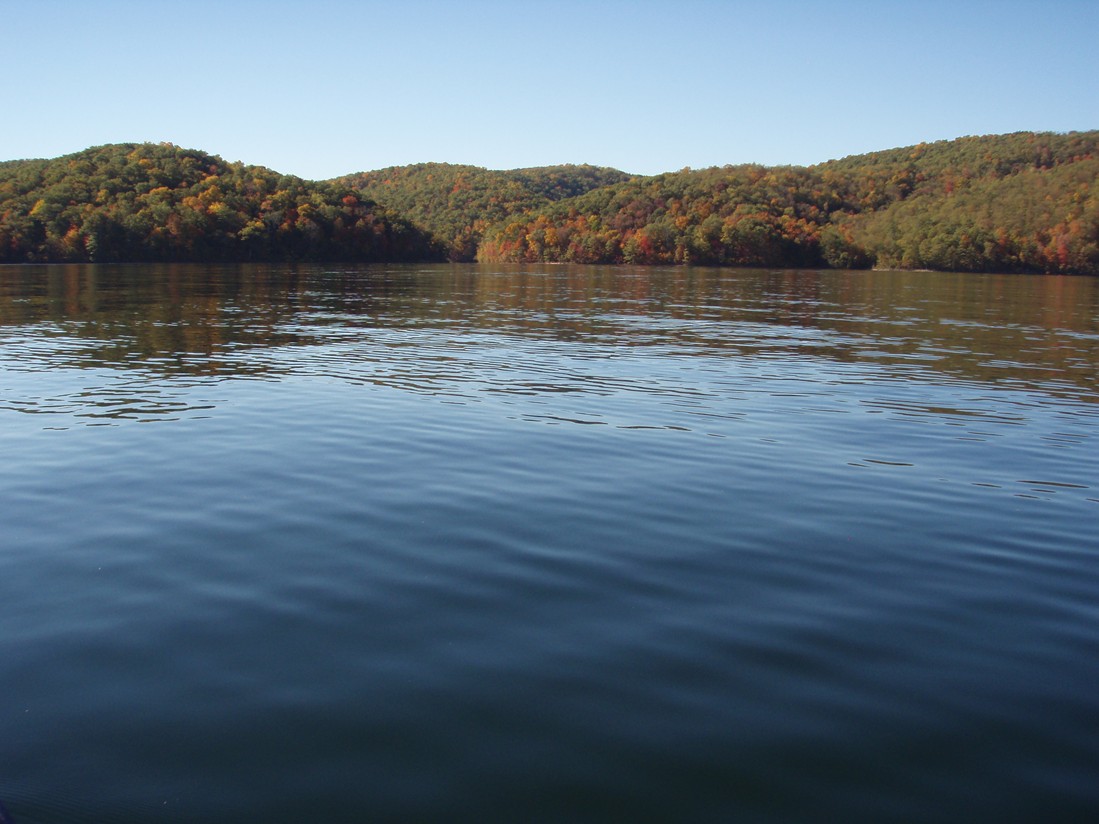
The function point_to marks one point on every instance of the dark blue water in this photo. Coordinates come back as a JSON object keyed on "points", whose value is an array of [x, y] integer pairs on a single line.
{"points": [[547, 544]]}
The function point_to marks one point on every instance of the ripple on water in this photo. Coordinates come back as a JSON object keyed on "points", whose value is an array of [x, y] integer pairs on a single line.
{"points": [[471, 543]]}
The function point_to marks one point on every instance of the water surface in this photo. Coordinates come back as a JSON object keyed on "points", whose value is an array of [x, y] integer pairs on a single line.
{"points": [[547, 543]]}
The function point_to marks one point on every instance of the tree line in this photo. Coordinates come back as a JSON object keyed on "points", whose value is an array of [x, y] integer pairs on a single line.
{"points": [[1013, 203], [457, 203], [159, 202], [1025, 202]]}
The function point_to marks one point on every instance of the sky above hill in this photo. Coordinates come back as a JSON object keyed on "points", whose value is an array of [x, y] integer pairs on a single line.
{"points": [[328, 87]]}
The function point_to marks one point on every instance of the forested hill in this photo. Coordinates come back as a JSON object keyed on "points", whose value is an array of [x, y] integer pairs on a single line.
{"points": [[1022, 202], [456, 203], [1026, 202], [150, 202]]}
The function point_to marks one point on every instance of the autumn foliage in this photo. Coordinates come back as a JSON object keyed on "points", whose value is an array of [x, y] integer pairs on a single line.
{"points": [[1013, 203], [457, 203], [158, 202], [1026, 202]]}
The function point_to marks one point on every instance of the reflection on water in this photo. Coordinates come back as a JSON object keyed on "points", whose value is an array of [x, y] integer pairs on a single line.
{"points": [[462, 331], [547, 543]]}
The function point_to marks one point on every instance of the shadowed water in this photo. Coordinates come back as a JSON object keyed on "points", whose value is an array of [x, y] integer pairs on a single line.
{"points": [[547, 543]]}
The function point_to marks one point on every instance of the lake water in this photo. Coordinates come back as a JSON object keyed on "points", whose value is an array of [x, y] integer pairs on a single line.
{"points": [[547, 544]]}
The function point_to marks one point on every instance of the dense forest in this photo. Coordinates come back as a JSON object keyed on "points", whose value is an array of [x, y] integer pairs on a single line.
{"points": [[158, 202], [457, 203], [1014, 203], [1026, 202]]}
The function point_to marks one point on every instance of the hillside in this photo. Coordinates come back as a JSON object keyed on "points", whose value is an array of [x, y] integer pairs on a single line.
{"points": [[1026, 202], [1023, 202], [1016, 203], [146, 202], [456, 203]]}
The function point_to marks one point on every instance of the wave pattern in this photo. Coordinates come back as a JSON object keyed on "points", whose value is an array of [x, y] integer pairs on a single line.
{"points": [[546, 544]]}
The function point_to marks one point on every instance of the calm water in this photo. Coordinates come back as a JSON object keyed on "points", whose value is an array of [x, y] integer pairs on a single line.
{"points": [[547, 544]]}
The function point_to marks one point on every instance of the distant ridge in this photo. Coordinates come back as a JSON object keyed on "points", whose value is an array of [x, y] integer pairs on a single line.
{"points": [[455, 203], [159, 202], [1023, 202]]}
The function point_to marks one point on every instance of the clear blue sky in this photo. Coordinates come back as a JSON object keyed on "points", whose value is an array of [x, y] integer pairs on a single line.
{"points": [[328, 87]]}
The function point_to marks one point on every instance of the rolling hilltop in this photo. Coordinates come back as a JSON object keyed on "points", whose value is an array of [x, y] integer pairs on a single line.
{"points": [[158, 202], [1026, 202], [457, 203], [1021, 202]]}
